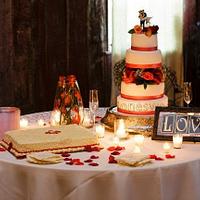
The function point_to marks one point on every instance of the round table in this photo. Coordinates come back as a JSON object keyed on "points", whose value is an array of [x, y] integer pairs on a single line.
{"points": [[170, 179]]}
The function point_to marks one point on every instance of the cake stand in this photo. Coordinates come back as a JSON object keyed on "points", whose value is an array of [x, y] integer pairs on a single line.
{"points": [[136, 124]]}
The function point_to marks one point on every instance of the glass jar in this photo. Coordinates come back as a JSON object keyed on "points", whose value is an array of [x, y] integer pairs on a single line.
{"points": [[60, 93], [72, 104]]}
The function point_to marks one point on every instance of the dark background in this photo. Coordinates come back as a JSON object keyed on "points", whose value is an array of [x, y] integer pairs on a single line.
{"points": [[40, 40]]}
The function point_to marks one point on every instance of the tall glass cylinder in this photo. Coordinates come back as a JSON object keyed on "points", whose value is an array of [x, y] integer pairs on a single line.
{"points": [[72, 104]]}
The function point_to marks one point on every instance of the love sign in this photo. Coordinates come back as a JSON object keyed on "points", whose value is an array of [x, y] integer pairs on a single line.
{"points": [[171, 120]]}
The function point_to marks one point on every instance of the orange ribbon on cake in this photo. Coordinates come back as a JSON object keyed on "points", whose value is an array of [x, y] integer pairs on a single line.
{"points": [[143, 66], [144, 48], [142, 97], [135, 112]]}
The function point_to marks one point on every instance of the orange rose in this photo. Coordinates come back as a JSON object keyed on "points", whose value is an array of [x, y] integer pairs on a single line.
{"points": [[147, 76], [148, 33], [137, 29]]}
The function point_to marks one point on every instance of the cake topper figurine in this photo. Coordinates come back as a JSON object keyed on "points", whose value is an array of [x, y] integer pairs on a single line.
{"points": [[143, 18]]}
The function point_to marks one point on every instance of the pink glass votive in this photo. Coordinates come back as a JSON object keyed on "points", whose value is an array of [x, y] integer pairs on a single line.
{"points": [[9, 119]]}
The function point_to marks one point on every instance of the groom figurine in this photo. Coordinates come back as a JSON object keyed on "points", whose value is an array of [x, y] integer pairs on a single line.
{"points": [[142, 16]]}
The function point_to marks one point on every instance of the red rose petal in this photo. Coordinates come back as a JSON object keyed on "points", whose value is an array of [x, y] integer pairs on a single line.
{"points": [[97, 148], [112, 148], [93, 164], [152, 156], [112, 159], [70, 162], [118, 148], [88, 161], [2, 149], [115, 153], [67, 159], [90, 149], [169, 156], [76, 160], [94, 157], [65, 154], [159, 158], [115, 148], [79, 163]]}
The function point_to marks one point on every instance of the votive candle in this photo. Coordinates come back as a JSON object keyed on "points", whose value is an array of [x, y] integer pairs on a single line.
{"points": [[116, 141], [177, 141], [55, 117], [120, 130], [40, 122], [166, 147], [100, 130], [23, 123]]}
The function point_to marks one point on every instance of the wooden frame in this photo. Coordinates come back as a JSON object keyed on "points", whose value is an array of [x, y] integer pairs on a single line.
{"points": [[170, 120]]}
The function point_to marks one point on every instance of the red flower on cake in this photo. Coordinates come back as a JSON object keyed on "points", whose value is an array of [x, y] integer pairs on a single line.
{"points": [[137, 29], [148, 33], [128, 78], [147, 76]]}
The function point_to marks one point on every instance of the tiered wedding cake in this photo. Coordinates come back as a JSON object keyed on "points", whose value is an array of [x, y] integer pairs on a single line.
{"points": [[142, 86]]}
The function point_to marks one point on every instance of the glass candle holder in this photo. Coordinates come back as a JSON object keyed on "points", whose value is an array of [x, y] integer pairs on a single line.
{"points": [[166, 147], [88, 119], [177, 140], [55, 117], [9, 119], [100, 130], [120, 129]]}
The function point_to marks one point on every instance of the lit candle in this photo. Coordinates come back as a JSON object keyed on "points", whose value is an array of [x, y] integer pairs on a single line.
{"points": [[55, 117], [23, 123], [166, 147], [100, 130], [136, 149], [40, 122], [87, 119], [116, 141], [138, 140], [120, 129], [177, 141]]}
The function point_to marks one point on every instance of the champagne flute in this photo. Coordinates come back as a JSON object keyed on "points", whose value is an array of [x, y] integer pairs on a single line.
{"points": [[93, 102], [187, 92]]}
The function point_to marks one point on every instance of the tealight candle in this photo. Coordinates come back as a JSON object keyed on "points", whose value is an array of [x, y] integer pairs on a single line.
{"points": [[177, 140], [55, 117], [100, 130], [87, 119], [40, 122], [138, 140], [120, 130], [23, 123], [166, 147], [116, 141]]}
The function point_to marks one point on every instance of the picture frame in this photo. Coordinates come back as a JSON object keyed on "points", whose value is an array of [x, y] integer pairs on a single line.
{"points": [[182, 120]]}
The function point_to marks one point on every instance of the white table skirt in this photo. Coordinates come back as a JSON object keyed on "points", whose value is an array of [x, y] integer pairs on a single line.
{"points": [[171, 179]]}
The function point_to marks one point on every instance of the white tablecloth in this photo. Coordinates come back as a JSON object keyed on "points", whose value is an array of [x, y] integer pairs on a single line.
{"points": [[171, 179]]}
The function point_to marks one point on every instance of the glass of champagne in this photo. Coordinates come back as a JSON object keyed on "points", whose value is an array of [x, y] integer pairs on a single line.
{"points": [[93, 102], [187, 92]]}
